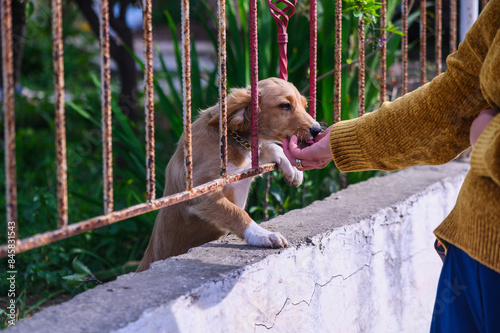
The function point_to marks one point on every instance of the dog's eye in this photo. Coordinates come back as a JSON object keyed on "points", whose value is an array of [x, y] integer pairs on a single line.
{"points": [[286, 106]]}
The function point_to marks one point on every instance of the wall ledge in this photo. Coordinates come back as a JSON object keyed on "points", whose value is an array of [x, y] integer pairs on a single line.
{"points": [[360, 260]]}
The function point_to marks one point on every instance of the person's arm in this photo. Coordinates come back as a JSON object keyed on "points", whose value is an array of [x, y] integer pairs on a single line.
{"points": [[429, 125]]}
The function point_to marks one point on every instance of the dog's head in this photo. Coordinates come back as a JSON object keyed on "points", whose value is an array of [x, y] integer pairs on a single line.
{"points": [[282, 112]]}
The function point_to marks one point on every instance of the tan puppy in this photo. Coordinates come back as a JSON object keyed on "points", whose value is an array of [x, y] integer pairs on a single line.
{"points": [[188, 224]]}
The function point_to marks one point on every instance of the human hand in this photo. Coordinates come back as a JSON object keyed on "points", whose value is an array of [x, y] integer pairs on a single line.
{"points": [[480, 123], [316, 156]]}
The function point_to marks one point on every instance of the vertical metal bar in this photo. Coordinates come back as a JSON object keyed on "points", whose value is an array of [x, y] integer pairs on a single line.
{"points": [[60, 116], [423, 42], [439, 37], [222, 88], [147, 32], [186, 92], [404, 51], [107, 147], [337, 62], [453, 26], [9, 117], [313, 57], [361, 66], [383, 50], [254, 77], [282, 16]]}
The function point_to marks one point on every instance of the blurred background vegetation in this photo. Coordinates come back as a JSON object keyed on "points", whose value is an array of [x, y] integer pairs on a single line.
{"points": [[115, 249]]}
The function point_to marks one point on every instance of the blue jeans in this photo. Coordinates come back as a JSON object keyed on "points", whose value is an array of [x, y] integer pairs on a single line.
{"points": [[468, 296]]}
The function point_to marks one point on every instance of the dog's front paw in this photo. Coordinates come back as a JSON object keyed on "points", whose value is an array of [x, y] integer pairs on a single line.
{"points": [[274, 153], [257, 236], [292, 175]]}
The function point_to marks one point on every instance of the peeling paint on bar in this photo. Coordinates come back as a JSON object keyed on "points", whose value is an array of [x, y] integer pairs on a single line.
{"points": [[116, 216], [9, 116], [186, 92], [254, 78], [337, 62], [404, 45], [361, 67], [383, 50], [282, 16], [60, 116], [313, 57], [107, 144], [222, 88], [149, 100], [423, 42]]}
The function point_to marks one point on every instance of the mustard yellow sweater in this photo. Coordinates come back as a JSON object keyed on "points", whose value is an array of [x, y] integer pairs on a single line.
{"points": [[431, 126]]}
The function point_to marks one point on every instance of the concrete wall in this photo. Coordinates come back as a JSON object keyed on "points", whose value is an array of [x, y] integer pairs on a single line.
{"points": [[361, 260]]}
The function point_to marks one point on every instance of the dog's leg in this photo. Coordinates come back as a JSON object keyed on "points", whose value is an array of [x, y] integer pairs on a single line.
{"points": [[272, 153], [216, 208]]}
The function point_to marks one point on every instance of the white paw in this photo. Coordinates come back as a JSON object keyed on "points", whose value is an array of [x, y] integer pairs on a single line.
{"points": [[255, 235], [274, 153], [292, 175]]}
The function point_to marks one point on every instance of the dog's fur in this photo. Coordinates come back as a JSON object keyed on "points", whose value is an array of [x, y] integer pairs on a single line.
{"points": [[206, 218]]}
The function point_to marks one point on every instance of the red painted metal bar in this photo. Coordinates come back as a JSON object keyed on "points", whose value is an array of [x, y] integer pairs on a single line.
{"points": [[116, 216], [423, 42], [453, 26], [282, 16], [483, 4], [313, 57], [186, 92], [439, 37], [107, 140], [404, 46], [337, 62], [383, 50], [361, 67], [9, 118], [60, 116], [254, 78], [222, 88], [149, 107]]}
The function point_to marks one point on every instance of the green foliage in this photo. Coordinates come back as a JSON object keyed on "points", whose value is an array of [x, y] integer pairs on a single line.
{"points": [[83, 274], [363, 9]]}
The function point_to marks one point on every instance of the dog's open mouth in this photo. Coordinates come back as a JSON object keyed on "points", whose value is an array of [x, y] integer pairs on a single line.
{"points": [[303, 143]]}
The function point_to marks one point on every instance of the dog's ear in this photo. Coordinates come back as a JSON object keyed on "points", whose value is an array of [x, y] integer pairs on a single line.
{"points": [[238, 110]]}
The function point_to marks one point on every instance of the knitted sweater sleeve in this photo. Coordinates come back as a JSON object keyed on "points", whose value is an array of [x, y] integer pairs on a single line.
{"points": [[485, 158], [429, 125]]}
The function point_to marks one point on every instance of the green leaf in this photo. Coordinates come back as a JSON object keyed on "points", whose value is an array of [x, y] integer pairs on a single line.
{"points": [[80, 267], [75, 279]]}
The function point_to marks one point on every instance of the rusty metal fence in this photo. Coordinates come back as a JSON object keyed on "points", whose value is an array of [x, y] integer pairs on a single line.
{"points": [[281, 10]]}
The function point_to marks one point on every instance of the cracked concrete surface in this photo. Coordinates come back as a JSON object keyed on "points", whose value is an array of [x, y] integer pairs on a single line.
{"points": [[361, 260]]}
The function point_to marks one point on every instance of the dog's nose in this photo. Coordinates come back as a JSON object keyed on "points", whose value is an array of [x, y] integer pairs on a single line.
{"points": [[315, 130]]}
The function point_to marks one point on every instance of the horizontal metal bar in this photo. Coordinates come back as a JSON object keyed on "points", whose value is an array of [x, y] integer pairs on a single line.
{"points": [[107, 219]]}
